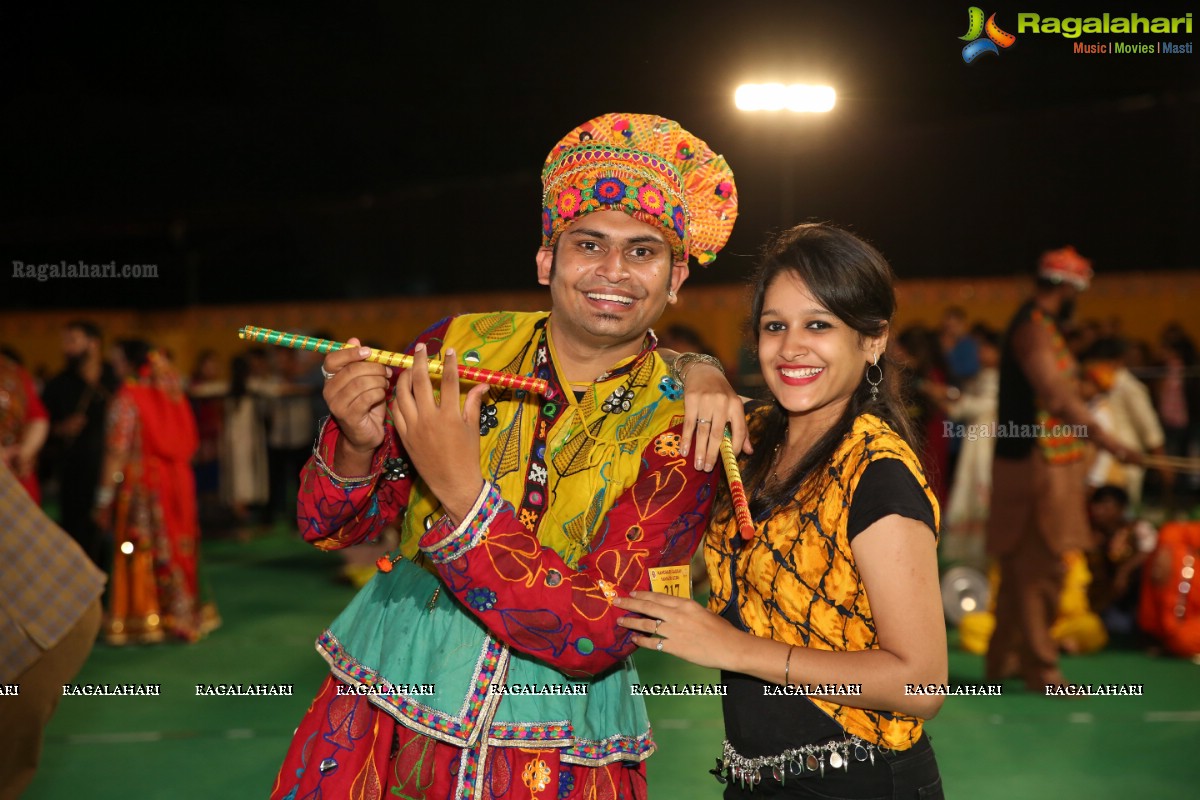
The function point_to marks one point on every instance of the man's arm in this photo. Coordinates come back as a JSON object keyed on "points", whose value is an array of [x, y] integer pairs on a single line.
{"points": [[335, 511], [530, 599], [344, 501]]}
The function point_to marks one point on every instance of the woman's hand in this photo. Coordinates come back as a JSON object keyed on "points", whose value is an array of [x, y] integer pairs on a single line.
{"points": [[685, 629]]}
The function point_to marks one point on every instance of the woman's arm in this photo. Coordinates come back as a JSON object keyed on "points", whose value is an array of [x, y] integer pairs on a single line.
{"points": [[897, 559]]}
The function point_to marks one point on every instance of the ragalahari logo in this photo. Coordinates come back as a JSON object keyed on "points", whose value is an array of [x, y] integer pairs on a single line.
{"points": [[976, 27]]}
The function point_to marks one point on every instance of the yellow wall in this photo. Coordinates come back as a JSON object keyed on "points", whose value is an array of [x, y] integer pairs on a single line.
{"points": [[1143, 301]]}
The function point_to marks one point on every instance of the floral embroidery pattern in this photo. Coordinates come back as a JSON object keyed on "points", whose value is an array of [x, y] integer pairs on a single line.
{"points": [[568, 202], [487, 418], [668, 445], [536, 775], [670, 388], [566, 783], [609, 190], [619, 401], [481, 598]]}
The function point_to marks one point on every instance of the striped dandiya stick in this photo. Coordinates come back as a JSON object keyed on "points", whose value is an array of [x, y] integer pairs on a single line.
{"points": [[386, 357], [737, 491]]}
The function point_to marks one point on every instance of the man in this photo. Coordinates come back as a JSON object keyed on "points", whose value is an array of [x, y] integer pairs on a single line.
{"points": [[520, 517], [77, 400], [1038, 501], [49, 616]]}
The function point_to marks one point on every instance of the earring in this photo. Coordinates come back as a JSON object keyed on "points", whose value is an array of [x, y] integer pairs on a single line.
{"points": [[671, 294], [875, 383]]}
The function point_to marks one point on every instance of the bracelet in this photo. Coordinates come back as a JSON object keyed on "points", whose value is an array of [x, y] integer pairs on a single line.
{"points": [[684, 360], [787, 666], [339, 481]]}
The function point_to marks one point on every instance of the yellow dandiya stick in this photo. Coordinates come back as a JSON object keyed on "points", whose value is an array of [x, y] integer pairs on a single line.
{"points": [[386, 357], [737, 491]]}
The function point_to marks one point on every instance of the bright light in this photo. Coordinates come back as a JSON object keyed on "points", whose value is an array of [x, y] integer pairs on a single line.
{"points": [[798, 97], [969, 604]]}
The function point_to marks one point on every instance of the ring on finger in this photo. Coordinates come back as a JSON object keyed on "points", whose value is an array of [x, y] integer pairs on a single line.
{"points": [[657, 622], [704, 422], [326, 373], [658, 646]]}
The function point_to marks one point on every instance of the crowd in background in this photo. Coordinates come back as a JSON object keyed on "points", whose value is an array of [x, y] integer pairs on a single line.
{"points": [[1146, 395], [254, 419]]}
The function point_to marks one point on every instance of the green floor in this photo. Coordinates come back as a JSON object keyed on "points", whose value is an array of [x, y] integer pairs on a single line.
{"points": [[276, 594]]}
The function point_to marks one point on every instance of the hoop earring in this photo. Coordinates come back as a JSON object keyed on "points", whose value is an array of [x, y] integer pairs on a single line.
{"points": [[875, 383]]}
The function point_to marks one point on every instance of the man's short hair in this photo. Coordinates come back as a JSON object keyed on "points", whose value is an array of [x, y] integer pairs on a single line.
{"points": [[87, 327], [1111, 492]]}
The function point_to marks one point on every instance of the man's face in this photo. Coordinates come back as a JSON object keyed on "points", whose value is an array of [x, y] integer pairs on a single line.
{"points": [[1069, 296], [953, 326], [609, 277], [74, 343], [1107, 514]]}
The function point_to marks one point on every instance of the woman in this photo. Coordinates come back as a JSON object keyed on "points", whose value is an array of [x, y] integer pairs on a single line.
{"points": [[147, 498], [826, 623]]}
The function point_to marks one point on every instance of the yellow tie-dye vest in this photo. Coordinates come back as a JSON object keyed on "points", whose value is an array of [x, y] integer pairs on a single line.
{"points": [[825, 588]]}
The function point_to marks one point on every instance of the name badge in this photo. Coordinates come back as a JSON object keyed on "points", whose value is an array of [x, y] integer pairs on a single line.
{"points": [[675, 581]]}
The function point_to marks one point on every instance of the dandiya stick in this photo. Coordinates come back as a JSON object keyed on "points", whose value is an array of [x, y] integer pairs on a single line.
{"points": [[1177, 463], [474, 374], [737, 491]]}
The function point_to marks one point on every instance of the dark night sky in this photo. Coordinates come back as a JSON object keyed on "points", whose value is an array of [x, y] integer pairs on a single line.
{"points": [[348, 150]]}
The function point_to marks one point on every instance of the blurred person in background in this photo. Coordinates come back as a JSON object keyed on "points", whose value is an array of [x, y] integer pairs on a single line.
{"points": [[24, 425], [1038, 502], [147, 499], [291, 427], [960, 349], [1179, 409], [974, 409], [206, 391], [243, 475], [77, 401], [1124, 406], [918, 349], [1121, 545]]}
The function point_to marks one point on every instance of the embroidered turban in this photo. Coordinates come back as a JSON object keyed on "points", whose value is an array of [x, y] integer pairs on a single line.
{"points": [[648, 167]]}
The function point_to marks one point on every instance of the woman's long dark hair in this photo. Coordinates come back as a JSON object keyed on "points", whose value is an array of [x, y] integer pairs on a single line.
{"points": [[855, 283]]}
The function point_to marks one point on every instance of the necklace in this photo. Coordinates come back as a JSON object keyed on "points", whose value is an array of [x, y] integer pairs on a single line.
{"points": [[777, 461]]}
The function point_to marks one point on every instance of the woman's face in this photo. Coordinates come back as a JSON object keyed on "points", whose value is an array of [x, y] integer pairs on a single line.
{"points": [[810, 359]]}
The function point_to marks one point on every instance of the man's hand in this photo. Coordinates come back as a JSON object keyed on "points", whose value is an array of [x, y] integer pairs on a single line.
{"points": [[709, 404], [441, 441], [357, 399]]}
